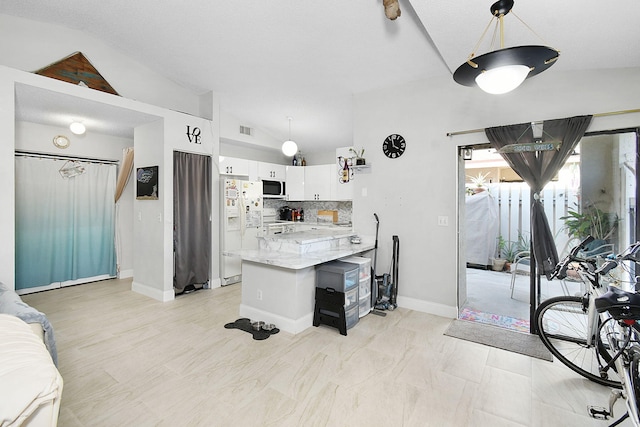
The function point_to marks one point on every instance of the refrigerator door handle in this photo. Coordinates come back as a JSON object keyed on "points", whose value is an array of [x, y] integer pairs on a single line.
{"points": [[243, 215]]}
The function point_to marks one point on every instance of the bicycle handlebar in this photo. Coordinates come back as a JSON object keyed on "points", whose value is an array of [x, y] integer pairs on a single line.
{"points": [[632, 253], [560, 272]]}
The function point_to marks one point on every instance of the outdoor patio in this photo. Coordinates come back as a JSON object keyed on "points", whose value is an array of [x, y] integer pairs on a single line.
{"points": [[489, 298]]}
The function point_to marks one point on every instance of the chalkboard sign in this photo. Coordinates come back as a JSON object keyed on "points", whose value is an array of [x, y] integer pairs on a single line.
{"points": [[147, 183]]}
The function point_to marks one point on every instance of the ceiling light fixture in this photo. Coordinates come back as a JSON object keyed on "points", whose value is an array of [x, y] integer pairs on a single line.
{"points": [[504, 69], [77, 128], [289, 148]]}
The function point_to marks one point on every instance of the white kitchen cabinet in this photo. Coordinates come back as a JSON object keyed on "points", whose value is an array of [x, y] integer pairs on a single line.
{"points": [[317, 182], [234, 166], [271, 171], [295, 179]]}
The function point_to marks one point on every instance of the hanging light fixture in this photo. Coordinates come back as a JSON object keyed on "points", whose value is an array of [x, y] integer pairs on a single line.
{"points": [[289, 148], [504, 69], [77, 128]]}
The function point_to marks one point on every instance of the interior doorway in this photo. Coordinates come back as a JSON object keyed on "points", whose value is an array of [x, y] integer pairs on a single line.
{"points": [[191, 221], [600, 174]]}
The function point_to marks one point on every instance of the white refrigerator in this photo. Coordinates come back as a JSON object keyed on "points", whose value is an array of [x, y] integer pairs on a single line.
{"points": [[241, 224]]}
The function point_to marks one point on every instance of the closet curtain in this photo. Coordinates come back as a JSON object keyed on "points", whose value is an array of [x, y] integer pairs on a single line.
{"points": [[64, 226], [191, 220]]}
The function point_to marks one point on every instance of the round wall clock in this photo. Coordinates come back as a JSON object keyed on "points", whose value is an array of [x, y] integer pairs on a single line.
{"points": [[394, 146], [61, 141]]}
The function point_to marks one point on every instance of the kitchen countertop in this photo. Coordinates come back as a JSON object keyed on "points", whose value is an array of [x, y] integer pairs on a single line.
{"points": [[304, 249]]}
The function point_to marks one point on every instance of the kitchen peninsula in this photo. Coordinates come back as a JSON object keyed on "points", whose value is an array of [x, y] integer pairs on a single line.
{"points": [[278, 279]]}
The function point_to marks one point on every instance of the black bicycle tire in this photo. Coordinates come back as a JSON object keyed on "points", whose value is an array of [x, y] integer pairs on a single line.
{"points": [[551, 341], [634, 373]]}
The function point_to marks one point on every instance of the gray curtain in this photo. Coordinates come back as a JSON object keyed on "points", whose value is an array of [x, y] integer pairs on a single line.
{"points": [[536, 169], [191, 220]]}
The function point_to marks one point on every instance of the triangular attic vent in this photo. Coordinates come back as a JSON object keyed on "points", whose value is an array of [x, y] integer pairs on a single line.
{"points": [[77, 69]]}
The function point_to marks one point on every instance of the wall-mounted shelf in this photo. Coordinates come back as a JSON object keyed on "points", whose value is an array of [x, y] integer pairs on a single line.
{"points": [[361, 168]]}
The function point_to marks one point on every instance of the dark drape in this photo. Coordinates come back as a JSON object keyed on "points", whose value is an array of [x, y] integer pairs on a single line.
{"points": [[191, 220], [537, 168]]}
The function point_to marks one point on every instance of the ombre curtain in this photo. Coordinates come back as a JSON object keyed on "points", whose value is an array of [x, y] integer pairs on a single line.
{"points": [[64, 226]]}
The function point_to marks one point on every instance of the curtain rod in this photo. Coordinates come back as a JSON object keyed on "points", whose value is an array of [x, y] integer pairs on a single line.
{"points": [[58, 157], [612, 113]]}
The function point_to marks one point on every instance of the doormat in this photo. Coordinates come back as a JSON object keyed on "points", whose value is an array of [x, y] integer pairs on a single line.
{"points": [[529, 345], [244, 324], [512, 323]]}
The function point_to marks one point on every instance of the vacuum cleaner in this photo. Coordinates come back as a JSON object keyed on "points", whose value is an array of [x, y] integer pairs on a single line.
{"points": [[384, 292]]}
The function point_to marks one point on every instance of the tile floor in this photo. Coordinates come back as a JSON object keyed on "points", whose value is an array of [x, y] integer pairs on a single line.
{"points": [[128, 360]]}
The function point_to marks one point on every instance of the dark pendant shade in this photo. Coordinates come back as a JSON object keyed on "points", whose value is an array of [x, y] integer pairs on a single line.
{"points": [[537, 58], [504, 69]]}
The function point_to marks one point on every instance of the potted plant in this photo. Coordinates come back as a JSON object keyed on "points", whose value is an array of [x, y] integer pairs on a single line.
{"points": [[478, 181], [359, 156], [591, 221], [498, 262], [511, 249]]}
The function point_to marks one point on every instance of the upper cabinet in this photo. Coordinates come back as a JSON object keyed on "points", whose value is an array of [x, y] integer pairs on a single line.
{"points": [[317, 182], [234, 166], [271, 171], [295, 182]]}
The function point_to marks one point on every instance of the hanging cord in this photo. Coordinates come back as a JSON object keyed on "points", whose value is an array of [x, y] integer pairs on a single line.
{"points": [[532, 30]]}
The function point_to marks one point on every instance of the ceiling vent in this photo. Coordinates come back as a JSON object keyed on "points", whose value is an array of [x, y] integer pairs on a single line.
{"points": [[246, 130]]}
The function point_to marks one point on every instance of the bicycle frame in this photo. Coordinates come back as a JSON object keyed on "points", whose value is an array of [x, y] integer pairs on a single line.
{"points": [[622, 337]]}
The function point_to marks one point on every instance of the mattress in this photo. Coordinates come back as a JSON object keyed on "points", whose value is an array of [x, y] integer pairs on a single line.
{"points": [[30, 384]]}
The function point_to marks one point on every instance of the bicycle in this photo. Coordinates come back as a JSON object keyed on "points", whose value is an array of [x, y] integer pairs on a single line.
{"points": [[569, 325], [620, 311]]}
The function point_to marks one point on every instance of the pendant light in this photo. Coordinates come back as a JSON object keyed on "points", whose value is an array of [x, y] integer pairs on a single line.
{"points": [[289, 148], [504, 69], [77, 128]]}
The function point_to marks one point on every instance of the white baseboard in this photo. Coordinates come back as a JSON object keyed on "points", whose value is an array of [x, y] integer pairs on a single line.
{"points": [[26, 291], [215, 283], [282, 323], [154, 293], [428, 307]]}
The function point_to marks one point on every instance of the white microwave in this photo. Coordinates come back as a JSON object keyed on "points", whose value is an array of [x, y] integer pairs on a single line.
{"points": [[273, 189]]}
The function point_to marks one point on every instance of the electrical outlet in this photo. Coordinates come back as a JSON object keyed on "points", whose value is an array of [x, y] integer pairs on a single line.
{"points": [[259, 295], [443, 221]]}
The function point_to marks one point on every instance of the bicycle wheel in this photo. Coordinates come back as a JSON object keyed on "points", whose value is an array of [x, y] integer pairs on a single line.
{"points": [[634, 377], [562, 324]]}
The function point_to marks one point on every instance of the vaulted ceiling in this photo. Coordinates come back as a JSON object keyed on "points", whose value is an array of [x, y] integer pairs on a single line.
{"points": [[306, 59]]}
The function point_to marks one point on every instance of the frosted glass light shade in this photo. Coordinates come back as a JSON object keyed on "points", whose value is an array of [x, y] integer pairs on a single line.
{"points": [[503, 79], [289, 148], [77, 128]]}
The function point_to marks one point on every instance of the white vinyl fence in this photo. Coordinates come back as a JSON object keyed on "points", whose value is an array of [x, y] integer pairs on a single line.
{"points": [[514, 210]]}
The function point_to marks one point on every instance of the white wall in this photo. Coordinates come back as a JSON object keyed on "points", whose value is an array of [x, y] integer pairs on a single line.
{"points": [[38, 138], [7, 177], [154, 143], [29, 46], [410, 193]]}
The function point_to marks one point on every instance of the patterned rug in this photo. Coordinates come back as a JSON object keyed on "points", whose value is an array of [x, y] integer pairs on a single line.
{"points": [[512, 323]]}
